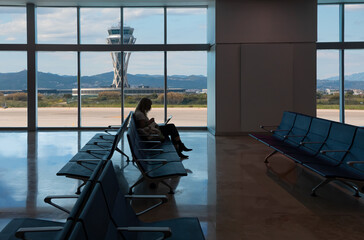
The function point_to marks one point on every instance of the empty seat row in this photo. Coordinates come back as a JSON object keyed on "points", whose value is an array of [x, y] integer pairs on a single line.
{"points": [[331, 149]]}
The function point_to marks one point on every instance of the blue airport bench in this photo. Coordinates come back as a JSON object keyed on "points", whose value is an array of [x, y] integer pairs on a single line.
{"points": [[328, 148]]}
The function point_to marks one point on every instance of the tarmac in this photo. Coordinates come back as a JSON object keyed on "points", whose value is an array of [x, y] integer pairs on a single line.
{"points": [[96, 117]]}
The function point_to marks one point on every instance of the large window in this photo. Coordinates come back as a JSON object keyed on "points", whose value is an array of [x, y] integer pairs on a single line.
{"points": [[56, 25], [146, 79], [13, 89], [340, 64], [90, 65], [56, 77], [187, 88], [13, 25], [101, 104], [148, 24], [95, 23]]}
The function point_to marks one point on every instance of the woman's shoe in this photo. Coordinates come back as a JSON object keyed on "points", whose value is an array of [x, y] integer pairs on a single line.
{"points": [[182, 156], [184, 148]]}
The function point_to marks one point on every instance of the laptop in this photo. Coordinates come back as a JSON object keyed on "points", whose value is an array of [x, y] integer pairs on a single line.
{"points": [[168, 119]]}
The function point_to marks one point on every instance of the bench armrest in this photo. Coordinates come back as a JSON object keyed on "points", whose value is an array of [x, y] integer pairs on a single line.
{"points": [[165, 230], [113, 126], [48, 200], [94, 150], [151, 141], [164, 161], [351, 163], [303, 143], [163, 199], [20, 233], [288, 136], [326, 151], [110, 135], [151, 149], [97, 142], [91, 161], [279, 130], [268, 130]]}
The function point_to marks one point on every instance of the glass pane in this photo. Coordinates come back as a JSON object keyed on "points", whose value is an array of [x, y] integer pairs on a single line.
{"points": [[97, 23], [13, 25], [187, 88], [328, 23], [56, 78], [354, 22], [101, 101], [328, 97], [186, 25], [148, 24], [13, 89], [146, 79], [354, 87], [57, 25]]}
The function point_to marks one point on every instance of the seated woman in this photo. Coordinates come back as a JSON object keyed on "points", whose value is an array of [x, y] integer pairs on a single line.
{"points": [[147, 125]]}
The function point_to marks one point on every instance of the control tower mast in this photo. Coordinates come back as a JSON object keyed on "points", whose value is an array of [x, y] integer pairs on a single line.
{"points": [[115, 38]]}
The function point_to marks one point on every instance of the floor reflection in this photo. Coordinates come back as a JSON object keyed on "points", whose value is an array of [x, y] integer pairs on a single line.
{"points": [[229, 188], [29, 163]]}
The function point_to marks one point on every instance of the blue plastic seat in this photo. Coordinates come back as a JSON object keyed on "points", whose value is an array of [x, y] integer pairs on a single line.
{"points": [[122, 214]]}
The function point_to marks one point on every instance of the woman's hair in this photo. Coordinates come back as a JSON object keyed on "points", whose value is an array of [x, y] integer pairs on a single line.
{"points": [[144, 105]]}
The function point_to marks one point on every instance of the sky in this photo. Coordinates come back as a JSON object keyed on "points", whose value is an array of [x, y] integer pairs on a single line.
{"points": [[58, 25], [185, 25]]}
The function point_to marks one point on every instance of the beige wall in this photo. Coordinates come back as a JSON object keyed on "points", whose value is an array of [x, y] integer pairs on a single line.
{"points": [[265, 62]]}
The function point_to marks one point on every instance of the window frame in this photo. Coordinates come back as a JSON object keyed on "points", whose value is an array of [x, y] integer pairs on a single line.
{"points": [[341, 46], [31, 47]]}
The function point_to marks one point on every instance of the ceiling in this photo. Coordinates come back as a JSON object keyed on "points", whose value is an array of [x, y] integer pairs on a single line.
{"points": [[90, 3]]}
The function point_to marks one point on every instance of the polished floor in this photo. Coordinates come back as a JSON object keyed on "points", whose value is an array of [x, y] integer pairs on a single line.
{"points": [[229, 188]]}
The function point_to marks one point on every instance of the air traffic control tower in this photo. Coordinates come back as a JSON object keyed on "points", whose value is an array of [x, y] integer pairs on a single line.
{"points": [[118, 63]]}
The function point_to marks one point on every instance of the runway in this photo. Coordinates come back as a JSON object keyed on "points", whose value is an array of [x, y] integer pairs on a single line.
{"points": [[99, 117]]}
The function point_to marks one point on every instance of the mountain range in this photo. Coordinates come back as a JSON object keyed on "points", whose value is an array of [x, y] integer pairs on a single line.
{"points": [[353, 81], [17, 80]]}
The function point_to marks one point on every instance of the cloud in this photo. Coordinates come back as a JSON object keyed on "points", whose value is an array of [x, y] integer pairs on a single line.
{"points": [[354, 7], [187, 11], [96, 22], [328, 54], [12, 10], [13, 28], [58, 25], [136, 13]]}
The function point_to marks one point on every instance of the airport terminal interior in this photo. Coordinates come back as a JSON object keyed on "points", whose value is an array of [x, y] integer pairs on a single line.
{"points": [[220, 68]]}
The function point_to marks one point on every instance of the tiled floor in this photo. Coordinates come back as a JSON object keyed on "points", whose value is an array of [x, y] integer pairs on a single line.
{"points": [[229, 188]]}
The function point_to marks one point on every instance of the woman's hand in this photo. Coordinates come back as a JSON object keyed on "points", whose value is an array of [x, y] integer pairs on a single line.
{"points": [[150, 121]]}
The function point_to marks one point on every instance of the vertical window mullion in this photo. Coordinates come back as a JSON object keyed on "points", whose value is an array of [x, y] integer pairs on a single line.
{"points": [[78, 70], [122, 63], [341, 66], [32, 68], [165, 65]]}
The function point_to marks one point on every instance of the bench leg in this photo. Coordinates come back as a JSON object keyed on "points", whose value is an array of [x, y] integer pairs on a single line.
{"points": [[323, 183], [141, 179], [271, 154], [78, 191], [352, 187], [122, 153], [169, 186]]}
